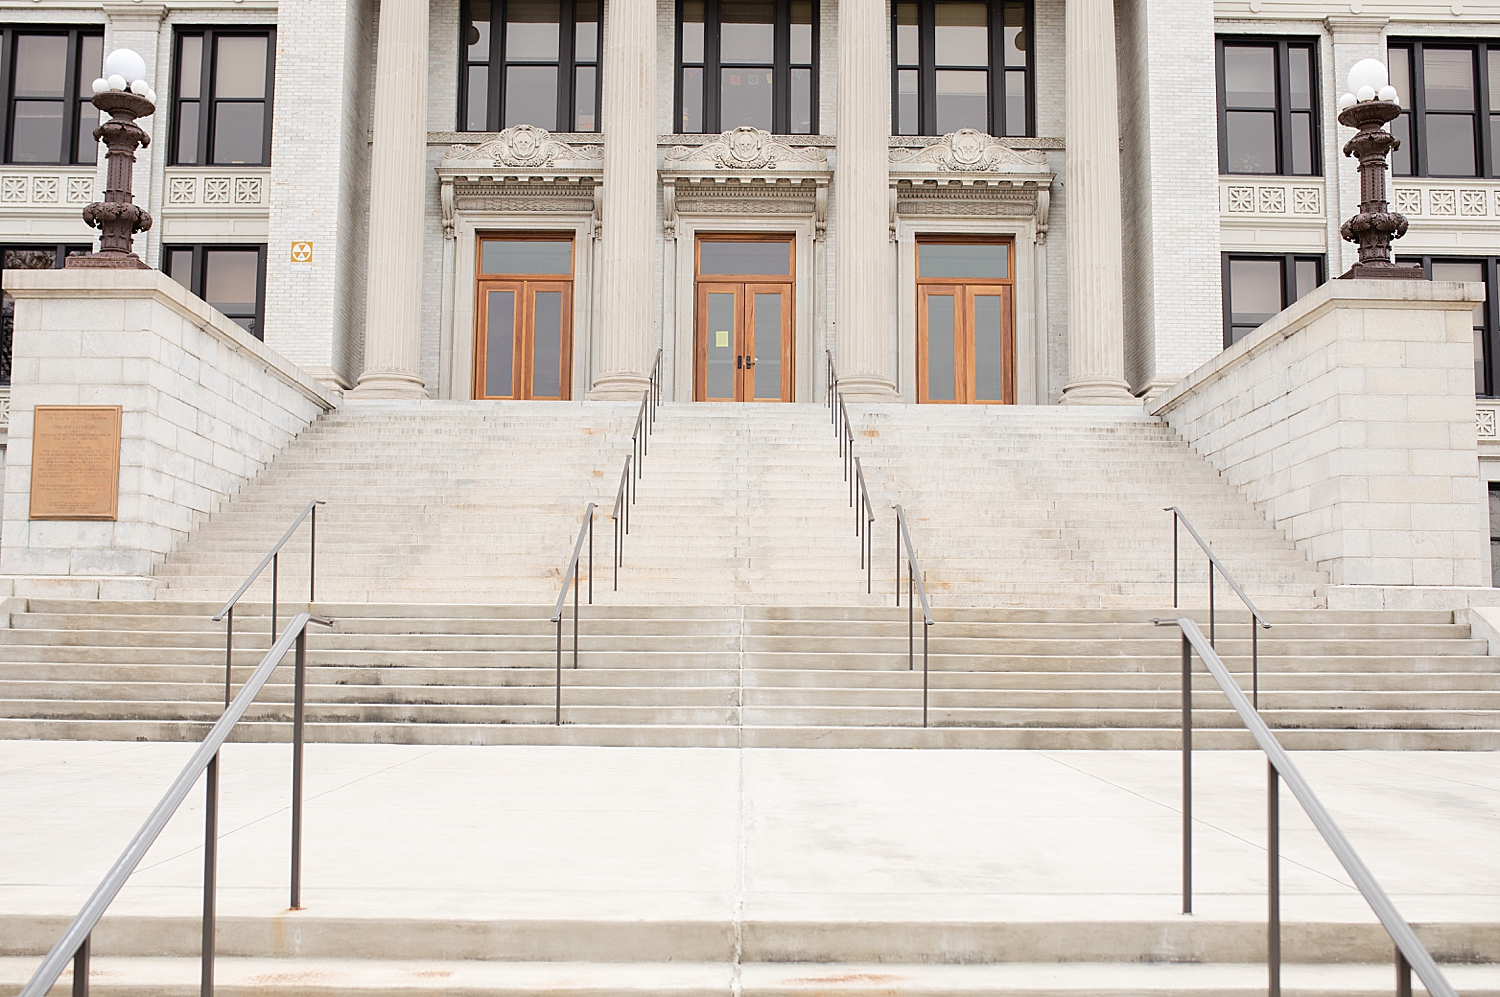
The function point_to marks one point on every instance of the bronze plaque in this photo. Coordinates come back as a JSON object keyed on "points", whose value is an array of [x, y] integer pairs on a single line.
{"points": [[75, 462]]}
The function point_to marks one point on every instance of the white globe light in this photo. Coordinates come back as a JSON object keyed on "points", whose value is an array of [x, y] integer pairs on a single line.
{"points": [[117, 82], [1368, 73], [125, 63], [1365, 93], [1388, 93], [101, 85], [1347, 100]]}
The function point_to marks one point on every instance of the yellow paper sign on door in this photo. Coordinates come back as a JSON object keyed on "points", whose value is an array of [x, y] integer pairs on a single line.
{"points": [[721, 338]]}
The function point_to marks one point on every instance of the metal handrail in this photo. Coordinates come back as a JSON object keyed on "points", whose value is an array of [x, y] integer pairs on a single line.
{"points": [[913, 578], [74, 943], [854, 475], [273, 558], [1411, 954], [1257, 621], [571, 574]]}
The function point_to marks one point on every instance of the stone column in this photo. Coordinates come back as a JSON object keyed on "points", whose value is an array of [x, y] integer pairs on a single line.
{"points": [[1096, 319], [862, 298], [398, 176], [628, 328]]}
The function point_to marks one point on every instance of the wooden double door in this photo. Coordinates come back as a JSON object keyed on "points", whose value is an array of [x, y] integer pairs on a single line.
{"points": [[744, 330], [966, 339]]}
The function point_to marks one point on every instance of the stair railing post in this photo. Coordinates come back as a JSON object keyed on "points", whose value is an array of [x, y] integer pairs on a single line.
{"points": [[299, 714], [81, 969], [210, 874], [1273, 880], [1187, 776]]}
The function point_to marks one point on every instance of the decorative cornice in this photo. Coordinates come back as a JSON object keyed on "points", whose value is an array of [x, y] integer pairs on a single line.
{"points": [[523, 147], [970, 151], [746, 148]]}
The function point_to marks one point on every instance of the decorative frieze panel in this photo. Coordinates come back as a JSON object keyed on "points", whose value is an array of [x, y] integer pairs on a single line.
{"points": [[197, 189], [50, 188], [1457, 201], [1301, 200]]}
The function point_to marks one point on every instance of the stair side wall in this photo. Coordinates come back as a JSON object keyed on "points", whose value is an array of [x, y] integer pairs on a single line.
{"points": [[1349, 417], [205, 407]]}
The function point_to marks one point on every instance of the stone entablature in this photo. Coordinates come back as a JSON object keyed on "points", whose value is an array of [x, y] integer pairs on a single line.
{"points": [[969, 173], [520, 169]]}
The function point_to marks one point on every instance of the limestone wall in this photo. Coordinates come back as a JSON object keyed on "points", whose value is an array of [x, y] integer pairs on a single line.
{"points": [[1349, 418], [205, 407]]}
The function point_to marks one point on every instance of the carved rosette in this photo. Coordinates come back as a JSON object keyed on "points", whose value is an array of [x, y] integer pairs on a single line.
{"points": [[747, 148]]}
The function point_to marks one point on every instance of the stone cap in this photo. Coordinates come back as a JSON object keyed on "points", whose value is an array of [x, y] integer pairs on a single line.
{"points": [[156, 286], [1385, 295]]}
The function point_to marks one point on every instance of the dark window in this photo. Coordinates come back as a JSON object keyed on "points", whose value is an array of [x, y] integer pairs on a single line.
{"points": [[747, 62], [1450, 103], [530, 62], [46, 76], [48, 257], [961, 64], [1268, 99], [1477, 270], [221, 110], [231, 278], [1256, 287]]}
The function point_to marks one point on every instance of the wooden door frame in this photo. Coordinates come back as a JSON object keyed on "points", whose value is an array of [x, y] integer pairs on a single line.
{"points": [[745, 283], [963, 320]]}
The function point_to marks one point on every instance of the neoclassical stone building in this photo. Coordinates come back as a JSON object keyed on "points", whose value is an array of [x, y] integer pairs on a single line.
{"points": [[1010, 201]]}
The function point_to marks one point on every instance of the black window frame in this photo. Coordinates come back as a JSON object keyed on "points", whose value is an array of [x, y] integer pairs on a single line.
{"points": [[1289, 294], [927, 69], [207, 101], [197, 278], [712, 64], [61, 251], [74, 93], [567, 65], [1416, 116], [1491, 338], [1284, 112]]}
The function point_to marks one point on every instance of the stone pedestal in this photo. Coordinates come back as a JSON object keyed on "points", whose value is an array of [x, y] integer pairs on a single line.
{"points": [[1096, 318], [861, 190], [628, 313], [398, 175]]}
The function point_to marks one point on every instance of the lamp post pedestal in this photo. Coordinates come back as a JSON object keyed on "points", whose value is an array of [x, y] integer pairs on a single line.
{"points": [[118, 217], [1376, 224]]}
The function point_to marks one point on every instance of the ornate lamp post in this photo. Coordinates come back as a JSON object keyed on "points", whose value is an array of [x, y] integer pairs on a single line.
{"points": [[1370, 107], [118, 217]]}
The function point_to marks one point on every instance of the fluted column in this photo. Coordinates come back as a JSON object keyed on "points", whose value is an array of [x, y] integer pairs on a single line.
{"points": [[398, 176], [628, 327], [861, 181], [1096, 319]]}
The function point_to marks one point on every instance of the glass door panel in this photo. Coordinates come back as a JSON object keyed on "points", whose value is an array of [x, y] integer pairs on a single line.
{"points": [[937, 344], [770, 318]]}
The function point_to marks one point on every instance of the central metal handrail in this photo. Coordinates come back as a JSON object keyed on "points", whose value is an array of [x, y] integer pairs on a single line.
{"points": [[626, 494], [854, 475], [1257, 621], [273, 558], [570, 573], [913, 578], [1411, 954], [74, 943]]}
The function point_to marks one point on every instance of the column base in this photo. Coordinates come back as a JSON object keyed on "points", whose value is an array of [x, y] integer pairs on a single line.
{"points": [[389, 384], [867, 388], [619, 386], [1098, 391]]}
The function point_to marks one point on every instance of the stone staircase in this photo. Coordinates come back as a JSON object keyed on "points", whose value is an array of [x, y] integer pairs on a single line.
{"points": [[748, 676]]}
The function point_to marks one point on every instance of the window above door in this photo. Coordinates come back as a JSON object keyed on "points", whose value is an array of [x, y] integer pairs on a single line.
{"points": [[747, 62], [961, 64], [529, 62]]}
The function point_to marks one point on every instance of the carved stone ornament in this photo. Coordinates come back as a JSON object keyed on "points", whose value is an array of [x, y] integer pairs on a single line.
{"points": [[747, 148], [523, 146], [971, 151]]}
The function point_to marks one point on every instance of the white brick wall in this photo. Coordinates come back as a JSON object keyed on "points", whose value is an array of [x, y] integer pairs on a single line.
{"points": [[1349, 417], [206, 407]]}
